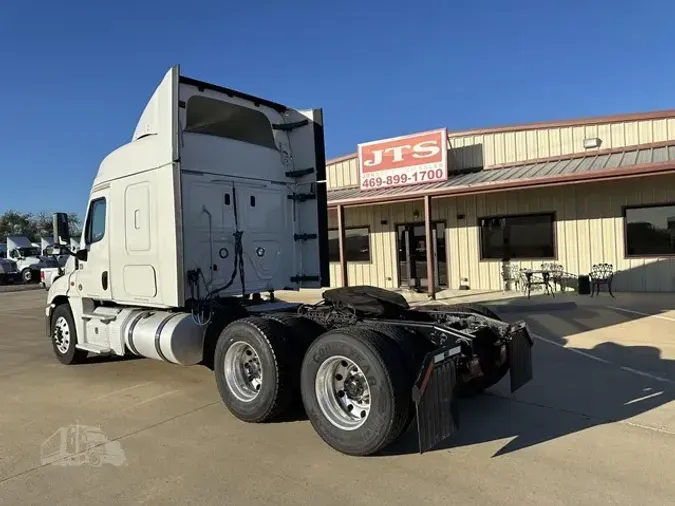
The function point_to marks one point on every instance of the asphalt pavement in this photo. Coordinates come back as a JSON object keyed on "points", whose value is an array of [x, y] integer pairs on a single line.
{"points": [[595, 426]]}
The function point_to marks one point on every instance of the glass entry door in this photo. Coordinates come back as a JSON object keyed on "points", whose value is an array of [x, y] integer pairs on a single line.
{"points": [[412, 255]]}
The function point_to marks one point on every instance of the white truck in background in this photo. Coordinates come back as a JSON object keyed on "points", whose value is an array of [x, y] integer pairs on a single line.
{"points": [[218, 197], [47, 249], [8, 271], [27, 257], [62, 253]]}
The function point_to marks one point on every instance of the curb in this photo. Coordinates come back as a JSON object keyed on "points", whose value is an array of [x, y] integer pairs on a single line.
{"points": [[20, 288], [524, 308]]}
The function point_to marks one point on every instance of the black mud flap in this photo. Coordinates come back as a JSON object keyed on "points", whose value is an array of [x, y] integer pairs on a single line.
{"points": [[520, 356], [435, 397]]}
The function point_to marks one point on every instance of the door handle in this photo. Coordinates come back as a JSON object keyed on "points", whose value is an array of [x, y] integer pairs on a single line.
{"points": [[104, 280]]}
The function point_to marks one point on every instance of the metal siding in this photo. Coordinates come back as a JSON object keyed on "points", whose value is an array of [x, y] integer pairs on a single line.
{"points": [[354, 171], [645, 132], [589, 229], [521, 147], [618, 133], [591, 132], [500, 152], [578, 136], [605, 134], [532, 145], [659, 130], [631, 133], [555, 142], [542, 144], [566, 141], [510, 147]]}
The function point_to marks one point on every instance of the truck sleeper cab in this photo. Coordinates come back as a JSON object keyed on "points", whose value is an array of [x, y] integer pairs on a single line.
{"points": [[219, 197]]}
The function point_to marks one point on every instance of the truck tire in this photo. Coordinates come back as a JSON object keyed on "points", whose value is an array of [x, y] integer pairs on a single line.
{"points": [[26, 276], [64, 336], [300, 334], [355, 390], [302, 330], [412, 348], [253, 369]]}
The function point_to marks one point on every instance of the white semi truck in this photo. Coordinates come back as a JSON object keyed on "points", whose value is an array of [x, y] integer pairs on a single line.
{"points": [[27, 257], [218, 197], [47, 249]]}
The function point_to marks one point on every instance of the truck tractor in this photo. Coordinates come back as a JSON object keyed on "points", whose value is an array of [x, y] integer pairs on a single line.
{"points": [[28, 259], [48, 249], [217, 202], [57, 254]]}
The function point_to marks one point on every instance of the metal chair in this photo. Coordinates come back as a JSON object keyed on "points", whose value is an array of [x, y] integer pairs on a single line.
{"points": [[556, 273], [601, 274], [511, 273]]}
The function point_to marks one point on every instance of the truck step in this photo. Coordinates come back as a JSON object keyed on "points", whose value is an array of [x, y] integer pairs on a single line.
{"points": [[94, 348], [104, 315]]}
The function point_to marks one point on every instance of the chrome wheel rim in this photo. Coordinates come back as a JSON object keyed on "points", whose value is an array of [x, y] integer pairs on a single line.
{"points": [[62, 335], [343, 393], [243, 371]]}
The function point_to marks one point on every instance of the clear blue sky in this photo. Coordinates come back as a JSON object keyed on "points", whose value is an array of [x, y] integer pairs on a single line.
{"points": [[75, 75]]}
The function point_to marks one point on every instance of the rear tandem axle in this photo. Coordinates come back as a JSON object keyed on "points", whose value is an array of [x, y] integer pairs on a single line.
{"points": [[370, 365]]}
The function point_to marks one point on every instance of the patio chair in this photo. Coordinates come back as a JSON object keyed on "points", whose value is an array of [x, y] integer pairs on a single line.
{"points": [[511, 274], [601, 274], [556, 273]]}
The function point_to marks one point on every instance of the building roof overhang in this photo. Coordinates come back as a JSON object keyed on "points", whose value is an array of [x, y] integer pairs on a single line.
{"points": [[611, 164]]}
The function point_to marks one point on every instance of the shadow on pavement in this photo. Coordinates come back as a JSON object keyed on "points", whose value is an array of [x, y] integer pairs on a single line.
{"points": [[573, 388]]}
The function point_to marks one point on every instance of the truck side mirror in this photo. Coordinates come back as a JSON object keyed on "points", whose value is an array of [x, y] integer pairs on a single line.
{"points": [[60, 226], [82, 255]]}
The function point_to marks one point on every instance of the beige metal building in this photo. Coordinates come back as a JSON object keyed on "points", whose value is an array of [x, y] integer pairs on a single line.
{"points": [[577, 193]]}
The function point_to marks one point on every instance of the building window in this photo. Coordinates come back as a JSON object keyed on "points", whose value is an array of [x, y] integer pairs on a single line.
{"points": [[357, 245], [650, 231], [529, 236]]}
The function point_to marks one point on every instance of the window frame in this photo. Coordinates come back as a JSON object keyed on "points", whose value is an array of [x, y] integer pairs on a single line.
{"points": [[257, 113], [554, 237], [624, 212], [89, 224], [370, 245]]}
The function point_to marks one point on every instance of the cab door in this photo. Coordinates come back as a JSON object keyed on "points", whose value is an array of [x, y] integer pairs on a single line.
{"points": [[92, 279]]}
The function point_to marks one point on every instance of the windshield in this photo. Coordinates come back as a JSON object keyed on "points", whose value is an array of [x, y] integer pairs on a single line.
{"points": [[29, 252]]}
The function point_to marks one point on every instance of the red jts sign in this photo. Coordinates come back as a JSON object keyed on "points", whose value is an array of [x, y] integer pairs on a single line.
{"points": [[411, 159]]}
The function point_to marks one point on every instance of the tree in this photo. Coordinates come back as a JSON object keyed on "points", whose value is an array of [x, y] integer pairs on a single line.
{"points": [[33, 226], [13, 222]]}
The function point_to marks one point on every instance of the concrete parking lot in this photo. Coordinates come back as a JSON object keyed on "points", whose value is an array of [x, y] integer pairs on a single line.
{"points": [[595, 426]]}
